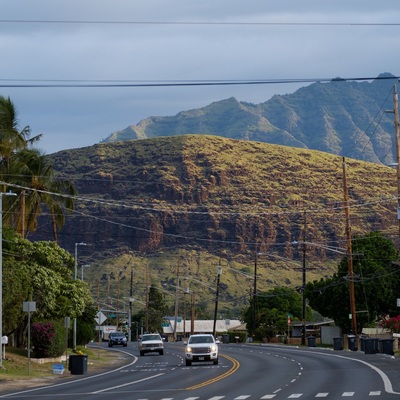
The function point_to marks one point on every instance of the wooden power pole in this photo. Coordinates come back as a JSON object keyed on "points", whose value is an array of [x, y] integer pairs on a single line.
{"points": [[349, 250], [397, 133]]}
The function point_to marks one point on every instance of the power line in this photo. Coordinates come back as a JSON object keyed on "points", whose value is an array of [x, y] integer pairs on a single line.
{"points": [[174, 83], [215, 23]]}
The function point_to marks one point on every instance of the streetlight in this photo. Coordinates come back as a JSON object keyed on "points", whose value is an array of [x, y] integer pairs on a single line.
{"points": [[82, 267], [75, 277], [1, 273]]}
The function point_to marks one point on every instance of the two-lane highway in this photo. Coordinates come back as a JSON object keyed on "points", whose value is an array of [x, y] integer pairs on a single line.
{"points": [[244, 372]]}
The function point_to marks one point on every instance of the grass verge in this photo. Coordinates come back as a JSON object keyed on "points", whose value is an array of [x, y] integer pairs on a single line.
{"points": [[16, 365]]}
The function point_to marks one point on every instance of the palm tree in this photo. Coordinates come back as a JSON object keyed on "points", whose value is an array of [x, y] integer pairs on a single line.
{"points": [[11, 139], [46, 191], [21, 164]]}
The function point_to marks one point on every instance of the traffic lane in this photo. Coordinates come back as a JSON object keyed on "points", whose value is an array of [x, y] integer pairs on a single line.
{"points": [[145, 375], [385, 367], [327, 371], [254, 373], [166, 377]]}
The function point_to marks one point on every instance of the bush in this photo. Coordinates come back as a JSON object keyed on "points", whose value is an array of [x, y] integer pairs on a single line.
{"points": [[47, 339]]}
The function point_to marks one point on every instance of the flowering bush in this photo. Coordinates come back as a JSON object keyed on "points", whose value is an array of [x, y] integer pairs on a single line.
{"points": [[391, 323], [47, 339], [42, 337]]}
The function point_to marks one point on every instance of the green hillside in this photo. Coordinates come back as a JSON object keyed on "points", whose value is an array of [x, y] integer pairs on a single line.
{"points": [[152, 204]]}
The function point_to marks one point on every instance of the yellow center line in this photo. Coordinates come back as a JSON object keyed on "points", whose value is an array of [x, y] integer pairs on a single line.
{"points": [[234, 368]]}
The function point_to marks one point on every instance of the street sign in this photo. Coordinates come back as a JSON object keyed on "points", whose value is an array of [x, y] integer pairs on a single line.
{"points": [[100, 318], [29, 306]]}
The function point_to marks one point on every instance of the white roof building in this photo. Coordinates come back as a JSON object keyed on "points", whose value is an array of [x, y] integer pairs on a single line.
{"points": [[200, 326]]}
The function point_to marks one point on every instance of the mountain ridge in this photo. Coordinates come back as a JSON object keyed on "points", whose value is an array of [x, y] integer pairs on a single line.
{"points": [[338, 117]]}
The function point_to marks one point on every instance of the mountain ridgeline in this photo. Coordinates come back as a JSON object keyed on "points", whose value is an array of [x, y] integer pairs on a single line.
{"points": [[340, 117]]}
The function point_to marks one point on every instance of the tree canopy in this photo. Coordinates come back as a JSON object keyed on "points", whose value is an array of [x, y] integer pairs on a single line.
{"points": [[30, 175], [156, 310], [376, 283], [272, 309], [40, 272]]}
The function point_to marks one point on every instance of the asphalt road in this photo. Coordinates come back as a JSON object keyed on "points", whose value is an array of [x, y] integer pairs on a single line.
{"points": [[244, 372]]}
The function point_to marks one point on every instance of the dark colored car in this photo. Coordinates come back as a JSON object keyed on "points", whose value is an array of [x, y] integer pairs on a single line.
{"points": [[117, 338]]}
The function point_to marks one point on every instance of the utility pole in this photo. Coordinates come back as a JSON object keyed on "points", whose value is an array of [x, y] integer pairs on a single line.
{"points": [[255, 295], [177, 297], [130, 308], [147, 298], [397, 137], [219, 271], [192, 315], [23, 211], [349, 250], [304, 270]]}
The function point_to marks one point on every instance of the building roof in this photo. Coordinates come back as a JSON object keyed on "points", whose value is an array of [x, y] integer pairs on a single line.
{"points": [[200, 326]]}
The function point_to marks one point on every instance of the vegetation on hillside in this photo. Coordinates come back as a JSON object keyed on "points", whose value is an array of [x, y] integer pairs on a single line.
{"points": [[210, 197]]}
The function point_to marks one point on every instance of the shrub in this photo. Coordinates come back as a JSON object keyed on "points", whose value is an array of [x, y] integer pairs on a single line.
{"points": [[47, 339]]}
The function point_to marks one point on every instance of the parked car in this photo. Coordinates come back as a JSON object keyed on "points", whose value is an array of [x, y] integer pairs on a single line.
{"points": [[201, 348], [117, 338], [151, 343]]}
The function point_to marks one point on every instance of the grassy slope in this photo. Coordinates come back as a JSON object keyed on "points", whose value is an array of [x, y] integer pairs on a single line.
{"points": [[249, 190]]}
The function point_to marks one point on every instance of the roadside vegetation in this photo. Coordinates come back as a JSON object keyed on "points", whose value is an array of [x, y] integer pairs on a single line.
{"points": [[15, 365]]}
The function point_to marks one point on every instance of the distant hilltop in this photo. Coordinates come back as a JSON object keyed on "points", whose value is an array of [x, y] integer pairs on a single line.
{"points": [[339, 117]]}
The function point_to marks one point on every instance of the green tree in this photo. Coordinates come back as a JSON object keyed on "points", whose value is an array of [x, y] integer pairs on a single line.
{"points": [[12, 139], [272, 309], [376, 283], [22, 165], [157, 309], [40, 272], [46, 191]]}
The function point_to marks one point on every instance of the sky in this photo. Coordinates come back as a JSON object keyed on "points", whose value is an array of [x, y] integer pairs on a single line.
{"points": [[123, 42]]}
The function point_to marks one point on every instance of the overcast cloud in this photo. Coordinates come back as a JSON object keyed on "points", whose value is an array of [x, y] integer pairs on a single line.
{"points": [[157, 50]]}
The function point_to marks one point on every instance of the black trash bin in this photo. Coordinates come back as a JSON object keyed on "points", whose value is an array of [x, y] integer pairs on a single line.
{"points": [[337, 343], [225, 338], [376, 344], [362, 343], [386, 346], [370, 346], [77, 365], [311, 341], [352, 342]]}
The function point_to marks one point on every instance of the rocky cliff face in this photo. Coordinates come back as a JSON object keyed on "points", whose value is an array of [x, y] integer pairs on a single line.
{"points": [[217, 194]]}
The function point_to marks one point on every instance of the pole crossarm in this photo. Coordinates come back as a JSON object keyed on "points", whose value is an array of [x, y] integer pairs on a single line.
{"points": [[334, 249]]}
